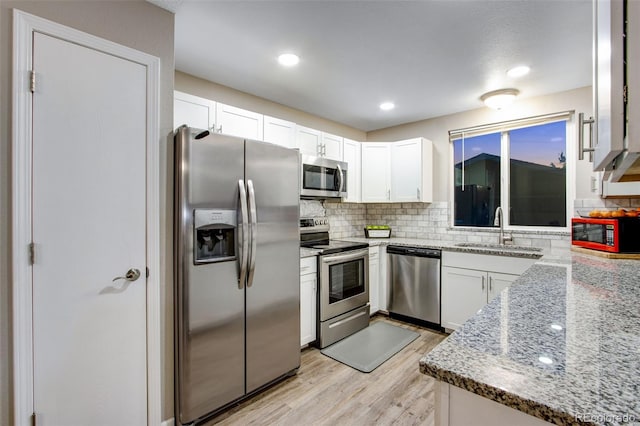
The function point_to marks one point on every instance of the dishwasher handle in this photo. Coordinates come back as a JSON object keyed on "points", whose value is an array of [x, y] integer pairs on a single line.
{"points": [[415, 251]]}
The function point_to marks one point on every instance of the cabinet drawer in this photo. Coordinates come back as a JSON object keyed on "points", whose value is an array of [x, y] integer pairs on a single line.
{"points": [[308, 265], [485, 262]]}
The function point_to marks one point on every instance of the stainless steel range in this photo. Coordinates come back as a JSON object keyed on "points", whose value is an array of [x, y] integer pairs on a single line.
{"points": [[343, 269]]}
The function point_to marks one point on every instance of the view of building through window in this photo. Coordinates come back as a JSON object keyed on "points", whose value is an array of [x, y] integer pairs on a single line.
{"points": [[537, 175], [536, 190]]}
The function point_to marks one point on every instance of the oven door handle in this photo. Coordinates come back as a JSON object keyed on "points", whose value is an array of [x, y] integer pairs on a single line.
{"points": [[328, 259]]}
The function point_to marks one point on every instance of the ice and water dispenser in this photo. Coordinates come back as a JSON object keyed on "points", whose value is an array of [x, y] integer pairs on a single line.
{"points": [[214, 235]]}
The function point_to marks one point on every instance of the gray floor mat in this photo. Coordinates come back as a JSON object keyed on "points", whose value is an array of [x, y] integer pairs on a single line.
{"points": [[369, 348]]}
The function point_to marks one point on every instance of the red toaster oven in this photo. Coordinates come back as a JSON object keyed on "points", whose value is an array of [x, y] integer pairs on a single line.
{"points": [[617, 235]]}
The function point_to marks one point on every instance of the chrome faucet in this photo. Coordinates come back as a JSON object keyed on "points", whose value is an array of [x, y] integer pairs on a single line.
{"points": [[499, 221]]}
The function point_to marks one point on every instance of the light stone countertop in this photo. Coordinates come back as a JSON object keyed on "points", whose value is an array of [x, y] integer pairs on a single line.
{"points": [[592, 303], [592, 352], [453, 246]]}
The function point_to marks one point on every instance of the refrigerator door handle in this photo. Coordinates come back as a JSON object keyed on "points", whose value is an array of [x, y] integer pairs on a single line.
{"points": [[254, 231], [244, 240]]}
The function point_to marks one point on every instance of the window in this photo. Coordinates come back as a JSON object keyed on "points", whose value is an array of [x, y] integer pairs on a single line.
{"points": [[520, 166]]}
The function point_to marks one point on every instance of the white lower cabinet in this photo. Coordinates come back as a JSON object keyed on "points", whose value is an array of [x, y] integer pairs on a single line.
{"points": [[383, 289], [470, 281], [308, 297], [374, 279]]}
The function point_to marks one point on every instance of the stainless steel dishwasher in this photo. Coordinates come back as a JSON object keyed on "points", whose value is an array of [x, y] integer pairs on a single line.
{"points": [[414, 284]]}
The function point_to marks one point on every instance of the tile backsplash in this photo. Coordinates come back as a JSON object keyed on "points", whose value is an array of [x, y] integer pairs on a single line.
{"points": [[431, 221]]}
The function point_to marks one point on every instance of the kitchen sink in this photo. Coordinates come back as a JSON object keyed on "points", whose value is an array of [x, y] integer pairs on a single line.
{"points": [[499, 247]]}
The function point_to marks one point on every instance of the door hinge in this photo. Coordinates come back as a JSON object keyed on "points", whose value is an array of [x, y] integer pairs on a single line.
{"points": [[33, 419], [147, 272], [32, 82], [32, 253]]}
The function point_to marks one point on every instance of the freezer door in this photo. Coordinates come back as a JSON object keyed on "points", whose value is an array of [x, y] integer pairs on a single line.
{"points": [[273, 286], [209, 302]]}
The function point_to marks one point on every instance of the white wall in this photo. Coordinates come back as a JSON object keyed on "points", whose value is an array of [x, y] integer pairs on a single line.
{"points": [[139, 25], [216, 92], [437, 130]]}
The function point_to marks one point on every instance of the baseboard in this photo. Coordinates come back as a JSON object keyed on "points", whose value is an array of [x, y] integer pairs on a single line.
{"points": [[169, 422]]}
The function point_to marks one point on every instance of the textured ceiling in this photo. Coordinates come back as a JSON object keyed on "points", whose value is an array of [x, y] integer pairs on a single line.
{"points": [[431, 58]]}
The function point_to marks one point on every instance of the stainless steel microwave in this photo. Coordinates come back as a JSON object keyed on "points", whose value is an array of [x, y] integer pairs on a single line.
{"points": [[323, 178]]}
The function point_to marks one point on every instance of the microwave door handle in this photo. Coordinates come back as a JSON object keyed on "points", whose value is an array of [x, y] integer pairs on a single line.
{"points": [[340, 178], [244, 226], [254, 231]]}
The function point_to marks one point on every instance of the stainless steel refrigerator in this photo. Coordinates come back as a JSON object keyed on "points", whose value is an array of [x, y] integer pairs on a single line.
{"points": [[237, 283]]}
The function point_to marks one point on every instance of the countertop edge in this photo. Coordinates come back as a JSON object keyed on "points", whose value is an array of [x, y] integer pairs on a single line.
{"points": [[498, 395]]}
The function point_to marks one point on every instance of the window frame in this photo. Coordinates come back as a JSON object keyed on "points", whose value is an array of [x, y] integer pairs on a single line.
{"points": [[504, 128]]}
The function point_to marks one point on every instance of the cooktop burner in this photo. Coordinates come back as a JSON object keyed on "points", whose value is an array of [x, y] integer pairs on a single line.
{"points": [[334, 246], [314, 233]]}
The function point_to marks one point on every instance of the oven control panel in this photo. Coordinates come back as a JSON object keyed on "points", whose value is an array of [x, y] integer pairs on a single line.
{"points": [[314, 224]]}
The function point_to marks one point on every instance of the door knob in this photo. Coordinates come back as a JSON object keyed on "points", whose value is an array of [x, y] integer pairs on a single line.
{"points": [[132, 275]]}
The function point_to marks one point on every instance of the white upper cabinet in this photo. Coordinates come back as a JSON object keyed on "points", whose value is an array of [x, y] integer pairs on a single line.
{"points": [[375, 172], [411, 170], [309, 141], [351, 152], [319, 144], [193, 111], [397, 171], [332, 146], [608, 81], [239, 122], [279, 132]]}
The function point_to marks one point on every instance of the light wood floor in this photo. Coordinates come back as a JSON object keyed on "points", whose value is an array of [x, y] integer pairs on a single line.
{"points": [[326, 392]]}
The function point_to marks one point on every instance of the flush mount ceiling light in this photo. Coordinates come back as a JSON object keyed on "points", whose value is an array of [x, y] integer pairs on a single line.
{"points": [[499, 99], [545, 360], [387, 106], [519, 71], [288, 59]]}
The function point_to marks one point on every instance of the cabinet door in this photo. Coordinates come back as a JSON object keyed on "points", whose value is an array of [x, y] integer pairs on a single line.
{"points": [[406, 170], [332, 146], [374, 279], [307, 309], [351, 155], [464, 292], [608, 81], [193, 111], [383, 283], [238, 122], [279, 132], [309, 141], [375, 172], [498, 282]]}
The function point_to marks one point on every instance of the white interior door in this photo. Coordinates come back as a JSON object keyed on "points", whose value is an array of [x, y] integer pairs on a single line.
{"points": [[89, 332]]}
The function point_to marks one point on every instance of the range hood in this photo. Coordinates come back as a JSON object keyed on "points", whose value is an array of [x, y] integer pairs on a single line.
{"points": [[628, 171]]}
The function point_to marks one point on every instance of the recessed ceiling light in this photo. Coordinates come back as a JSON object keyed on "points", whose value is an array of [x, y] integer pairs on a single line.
{"points": [[556, 327], [545, 360], [519, 71], [499, 99], [288, 59], [386, 106]]}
